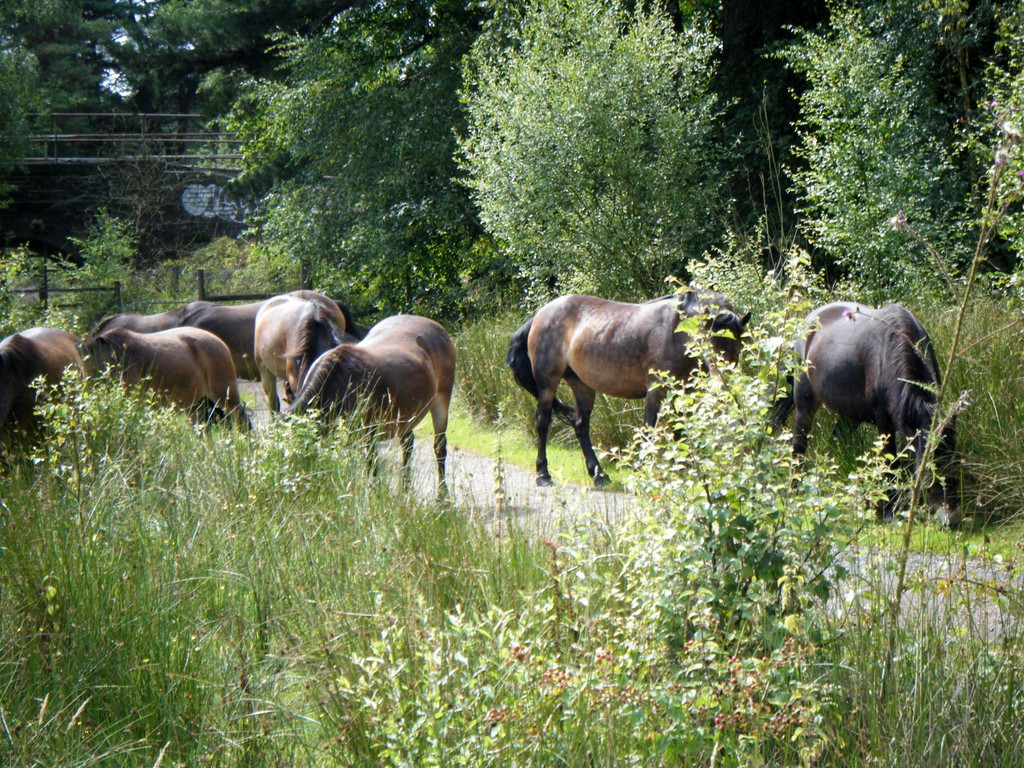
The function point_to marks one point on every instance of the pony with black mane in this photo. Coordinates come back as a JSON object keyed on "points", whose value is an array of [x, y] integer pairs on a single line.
{"points": [[290, 333], [187, 367], [874, 366], [619, 349], [403, 369], [233, 324]]}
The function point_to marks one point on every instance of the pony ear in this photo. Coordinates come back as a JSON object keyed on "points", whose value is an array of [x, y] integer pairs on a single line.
{"points": [[744, 320]]}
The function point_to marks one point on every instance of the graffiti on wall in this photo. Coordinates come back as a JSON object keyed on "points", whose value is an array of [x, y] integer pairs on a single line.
{"points": [[211, 201]]}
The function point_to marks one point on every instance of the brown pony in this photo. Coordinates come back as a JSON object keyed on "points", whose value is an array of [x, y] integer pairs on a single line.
{"points": [[874, 366], [24, 357], [188, 367], [404, 368], [290, 334], [618, 349], [234, 325]]}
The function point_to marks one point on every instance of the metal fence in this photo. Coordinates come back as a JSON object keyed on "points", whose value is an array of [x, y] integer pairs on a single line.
{"points": [[92, 137]]}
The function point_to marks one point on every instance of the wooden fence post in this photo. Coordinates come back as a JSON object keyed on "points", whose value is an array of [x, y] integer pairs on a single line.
{"points": [[44, 291], [201, 283]]}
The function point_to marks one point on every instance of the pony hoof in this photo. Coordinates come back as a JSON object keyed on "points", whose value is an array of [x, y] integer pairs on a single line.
{"points": [[601, 480], [544, 481]]}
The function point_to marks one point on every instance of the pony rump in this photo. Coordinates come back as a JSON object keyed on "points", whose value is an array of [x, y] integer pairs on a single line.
{"points": [[518, 360], [317, 326], [17, 358]]}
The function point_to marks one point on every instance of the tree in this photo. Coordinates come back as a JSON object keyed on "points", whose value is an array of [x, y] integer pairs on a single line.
{"points": [[878, 142], [1005, 81], [588, 149], [73, 43], [194, 55], [17, 94], [356, 147]]}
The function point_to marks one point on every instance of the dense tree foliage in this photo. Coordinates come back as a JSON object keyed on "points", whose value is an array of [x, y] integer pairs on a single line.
{"points": [[195, 54], [76, 46], [358, 142], [589, 145], [603, 145], [17, 93], [875, 145]]}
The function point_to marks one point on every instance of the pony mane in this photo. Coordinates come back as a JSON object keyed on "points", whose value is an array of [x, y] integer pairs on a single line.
{"points": [[329, 383], [103, 324], [106, 346], [695, 302], [912, 362]]}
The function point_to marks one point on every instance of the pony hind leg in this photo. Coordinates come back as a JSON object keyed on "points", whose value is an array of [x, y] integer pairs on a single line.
{"points": [[407, 442], [584, 397], [542, 423], [439, 419], [269, 383]]}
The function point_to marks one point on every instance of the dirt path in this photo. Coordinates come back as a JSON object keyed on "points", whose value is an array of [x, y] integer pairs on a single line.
{"points": [[992, 595]]}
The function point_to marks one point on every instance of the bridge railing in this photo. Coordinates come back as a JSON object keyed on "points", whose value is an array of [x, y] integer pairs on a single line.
{"points": [[92, 137]]}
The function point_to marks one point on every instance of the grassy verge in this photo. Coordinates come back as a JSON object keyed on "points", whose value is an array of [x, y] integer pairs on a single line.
{"points": [[175, 597]]}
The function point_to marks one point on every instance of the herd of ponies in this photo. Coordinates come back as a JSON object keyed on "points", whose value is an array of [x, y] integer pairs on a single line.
{"points": [[869, 365]]}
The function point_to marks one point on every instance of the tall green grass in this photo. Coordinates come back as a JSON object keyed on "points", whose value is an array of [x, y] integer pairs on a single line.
{"points": [[177, 596], [990, 431]]}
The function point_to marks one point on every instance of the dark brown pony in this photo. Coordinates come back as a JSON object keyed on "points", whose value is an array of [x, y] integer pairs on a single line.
{"points": [[24, 357], [234, 325], [187, 367], [290, 334], [618, 349], [874, 366], [404, 368]]}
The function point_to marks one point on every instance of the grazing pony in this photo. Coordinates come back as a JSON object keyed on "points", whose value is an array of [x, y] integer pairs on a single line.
{"points": [[874, 366], [618, 349], [24, 357], [187, 367], [234, 325], [291, 333], [402, 369]]}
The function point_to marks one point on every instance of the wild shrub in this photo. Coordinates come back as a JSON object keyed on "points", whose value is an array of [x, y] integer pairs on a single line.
{"points": [[589, 144], [739, 546], [875, 143]]}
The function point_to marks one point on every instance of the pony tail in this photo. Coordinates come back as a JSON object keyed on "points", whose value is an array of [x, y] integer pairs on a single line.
{"points": [[351, 329], [518, 360], [784, 404]]}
